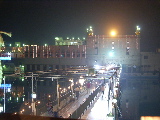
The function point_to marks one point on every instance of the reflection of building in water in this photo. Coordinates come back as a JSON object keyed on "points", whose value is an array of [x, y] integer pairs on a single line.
{"points": [[140, 96], [14, 87], [14, 93], [1, 73]]}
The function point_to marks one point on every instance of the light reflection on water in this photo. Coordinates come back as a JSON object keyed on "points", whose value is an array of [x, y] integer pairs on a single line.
{"points": [[20, 93]]}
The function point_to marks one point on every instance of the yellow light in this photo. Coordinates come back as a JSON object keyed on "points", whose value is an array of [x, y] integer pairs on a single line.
{"points": [[113, 33]]}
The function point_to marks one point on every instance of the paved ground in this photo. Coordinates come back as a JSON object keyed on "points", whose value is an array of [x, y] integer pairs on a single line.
{"points": [[71, 107], [100, 108]]}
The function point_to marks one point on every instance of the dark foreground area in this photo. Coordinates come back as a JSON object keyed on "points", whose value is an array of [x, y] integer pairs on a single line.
{"points": [[8, 116]]}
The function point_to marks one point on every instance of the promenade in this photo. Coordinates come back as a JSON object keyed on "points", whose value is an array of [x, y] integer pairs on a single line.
{"points": [[100, 107], [66, 108], [71, 107], [98, 110]]}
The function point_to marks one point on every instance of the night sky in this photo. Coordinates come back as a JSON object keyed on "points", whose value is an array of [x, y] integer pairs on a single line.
{"points": [[39, 22]]}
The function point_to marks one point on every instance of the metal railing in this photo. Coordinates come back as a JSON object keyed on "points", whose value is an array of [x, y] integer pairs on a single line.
{"points": [[43, 109], [83, 107]]}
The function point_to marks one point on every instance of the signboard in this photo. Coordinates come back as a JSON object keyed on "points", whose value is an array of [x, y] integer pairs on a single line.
{"points": [[33, 95], [5, 58], [6, 86]]}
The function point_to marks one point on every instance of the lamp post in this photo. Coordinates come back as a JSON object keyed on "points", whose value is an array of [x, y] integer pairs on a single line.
{"points": [[33, 97], [58, 94], [57, 77], [33, 103]]}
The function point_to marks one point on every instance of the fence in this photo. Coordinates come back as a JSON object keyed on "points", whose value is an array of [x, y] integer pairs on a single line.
{"points": [[63, 101], [83, 107]]}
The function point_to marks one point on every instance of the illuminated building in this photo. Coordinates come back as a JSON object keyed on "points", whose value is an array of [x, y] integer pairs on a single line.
{"points": [[71, 52], [69, 41]]}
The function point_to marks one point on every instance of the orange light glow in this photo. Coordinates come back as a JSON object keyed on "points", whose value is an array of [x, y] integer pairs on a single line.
{"points": [[113, 33]]}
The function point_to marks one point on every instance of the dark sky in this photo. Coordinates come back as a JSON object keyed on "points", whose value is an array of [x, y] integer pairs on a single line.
{"points": [[39, 22]]}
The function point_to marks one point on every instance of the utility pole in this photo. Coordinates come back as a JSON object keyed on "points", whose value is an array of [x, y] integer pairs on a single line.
{"points": [[57, 94], [4, 93]]}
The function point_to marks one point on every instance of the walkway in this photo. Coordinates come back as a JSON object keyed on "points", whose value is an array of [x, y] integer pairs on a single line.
{"points": [[100, 108], [71, 107]]}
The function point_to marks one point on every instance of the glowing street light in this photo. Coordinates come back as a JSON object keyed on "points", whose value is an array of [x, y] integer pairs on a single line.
{"points": [[138, 30], [34, 95], [49, 96]]}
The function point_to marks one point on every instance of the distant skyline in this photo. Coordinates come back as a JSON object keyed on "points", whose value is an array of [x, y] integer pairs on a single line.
{"points": [[39, 22]]}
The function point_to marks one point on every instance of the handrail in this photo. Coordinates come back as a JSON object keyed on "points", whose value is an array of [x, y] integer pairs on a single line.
{"points": [[80, 110]]}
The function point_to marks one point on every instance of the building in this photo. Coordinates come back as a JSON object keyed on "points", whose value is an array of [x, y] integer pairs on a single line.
{"points": [[94, 50], [139, 95]]}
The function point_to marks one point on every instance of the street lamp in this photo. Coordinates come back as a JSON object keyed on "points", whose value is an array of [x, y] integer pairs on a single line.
{"points": [[49, 96], [56, 77], [33, 97], [58, 94]]}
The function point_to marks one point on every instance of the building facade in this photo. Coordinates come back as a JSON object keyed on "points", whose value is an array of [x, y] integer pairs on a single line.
{"points": [[94, 50]]}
